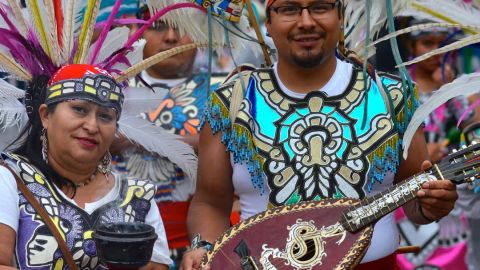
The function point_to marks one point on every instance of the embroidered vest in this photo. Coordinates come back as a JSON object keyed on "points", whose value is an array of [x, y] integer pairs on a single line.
{"points": [[316, 147], [36, 248], [180, 112]]}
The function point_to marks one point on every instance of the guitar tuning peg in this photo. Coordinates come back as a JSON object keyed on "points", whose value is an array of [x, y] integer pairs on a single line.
{"points": [[472, 179], [474, 142], [454, 150], [464, 146]]}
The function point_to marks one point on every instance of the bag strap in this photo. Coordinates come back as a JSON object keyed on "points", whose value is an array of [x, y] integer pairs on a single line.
{"points": [[44, 215]]}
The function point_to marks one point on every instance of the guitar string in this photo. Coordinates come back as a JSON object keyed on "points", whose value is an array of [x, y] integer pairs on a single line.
{"points": [[364, 200]]}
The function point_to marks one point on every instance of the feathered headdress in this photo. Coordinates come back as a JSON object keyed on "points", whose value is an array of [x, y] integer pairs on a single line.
{"points": [[453, 14], [364, 18], [220, 24], [53, 39]]}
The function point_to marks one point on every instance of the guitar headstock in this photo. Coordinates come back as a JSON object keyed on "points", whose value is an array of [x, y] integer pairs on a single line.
{"points": [[463, 165]]}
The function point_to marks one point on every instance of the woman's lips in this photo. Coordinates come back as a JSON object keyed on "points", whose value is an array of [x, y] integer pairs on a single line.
{"points": [[87, 142]]}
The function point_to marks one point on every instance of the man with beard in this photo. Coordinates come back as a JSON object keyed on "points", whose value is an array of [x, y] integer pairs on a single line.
{"points": [[308, 128]]}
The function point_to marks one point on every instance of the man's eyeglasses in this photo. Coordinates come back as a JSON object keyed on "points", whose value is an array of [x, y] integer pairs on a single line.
{"points": [[317, 10]]}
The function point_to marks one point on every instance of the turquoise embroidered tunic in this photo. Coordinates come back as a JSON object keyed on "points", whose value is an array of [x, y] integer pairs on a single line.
{"points": [[315, 147]]}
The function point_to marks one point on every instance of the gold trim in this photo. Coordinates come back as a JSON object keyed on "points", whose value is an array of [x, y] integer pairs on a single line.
{"points": [[351, 259]]}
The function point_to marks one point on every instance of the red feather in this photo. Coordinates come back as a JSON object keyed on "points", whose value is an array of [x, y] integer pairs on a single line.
{"points": [[57, 9]]}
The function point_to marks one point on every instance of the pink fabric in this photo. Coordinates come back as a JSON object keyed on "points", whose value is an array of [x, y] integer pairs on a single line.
{"points": [[451, 257], [440, 115]]}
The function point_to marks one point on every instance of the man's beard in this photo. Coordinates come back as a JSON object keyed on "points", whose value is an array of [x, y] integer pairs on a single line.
{"points": [[308, 61]]}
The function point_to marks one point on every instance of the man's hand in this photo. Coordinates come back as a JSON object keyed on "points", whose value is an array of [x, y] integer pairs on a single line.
{"points": [[193, 259], [436, 198], [436, 151]]}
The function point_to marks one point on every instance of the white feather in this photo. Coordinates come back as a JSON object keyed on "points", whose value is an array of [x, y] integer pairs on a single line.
{"points": [[355, 21], [464, 85], [52, 32], [114, 41], [12, 114], [157, 140], [7, 90], [451, 47], [19, 20], [71, 25], [451, 11], [422, 27], [136, 55], [196, 26], [141, 99]]}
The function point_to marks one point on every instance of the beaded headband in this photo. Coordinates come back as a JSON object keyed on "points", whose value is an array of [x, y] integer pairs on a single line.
{"points": [[85, 82]]}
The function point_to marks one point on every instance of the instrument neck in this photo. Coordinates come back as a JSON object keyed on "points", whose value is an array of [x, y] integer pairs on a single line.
{"points": [[373, 208]]}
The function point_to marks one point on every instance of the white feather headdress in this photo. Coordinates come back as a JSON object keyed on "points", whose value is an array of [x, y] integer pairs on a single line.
{"points": [[367, 16], [220, 30]]}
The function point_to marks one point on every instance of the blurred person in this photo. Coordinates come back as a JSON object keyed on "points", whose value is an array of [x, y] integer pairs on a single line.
{"points": [[182, 96], [442, 244]]}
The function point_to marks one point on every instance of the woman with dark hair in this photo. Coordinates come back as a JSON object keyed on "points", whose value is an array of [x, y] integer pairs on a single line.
{"points": [[56, 185], [64, 161]]}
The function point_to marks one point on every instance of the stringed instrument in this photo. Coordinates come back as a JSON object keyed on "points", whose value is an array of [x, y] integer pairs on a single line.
{"points": [[330, 233]]}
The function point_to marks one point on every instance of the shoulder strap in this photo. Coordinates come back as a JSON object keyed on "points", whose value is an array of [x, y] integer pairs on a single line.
{"points": [[46, 218]]}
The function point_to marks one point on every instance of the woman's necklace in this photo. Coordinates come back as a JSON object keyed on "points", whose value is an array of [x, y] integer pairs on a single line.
{"points": [[89, 180], [86, 182]]}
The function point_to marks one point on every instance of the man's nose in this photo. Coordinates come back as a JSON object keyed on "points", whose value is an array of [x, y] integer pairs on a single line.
{"points": [[171, 35], [305, 19]]}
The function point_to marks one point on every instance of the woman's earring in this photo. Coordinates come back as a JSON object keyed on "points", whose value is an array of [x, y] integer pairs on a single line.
{"points": [[105, 165], [43, 138]]}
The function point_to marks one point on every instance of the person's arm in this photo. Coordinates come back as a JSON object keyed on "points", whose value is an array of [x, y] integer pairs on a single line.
{"points": [[212, 202], [192, 140], [436, 199], [160, 253], [7, 244], [9, 217], [154, 266]]}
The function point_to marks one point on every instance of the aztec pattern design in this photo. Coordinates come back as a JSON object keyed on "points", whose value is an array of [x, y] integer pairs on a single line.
{"points": [[108, 90], [180, 112], [36, 247], [316, 147], [230, 9]]}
